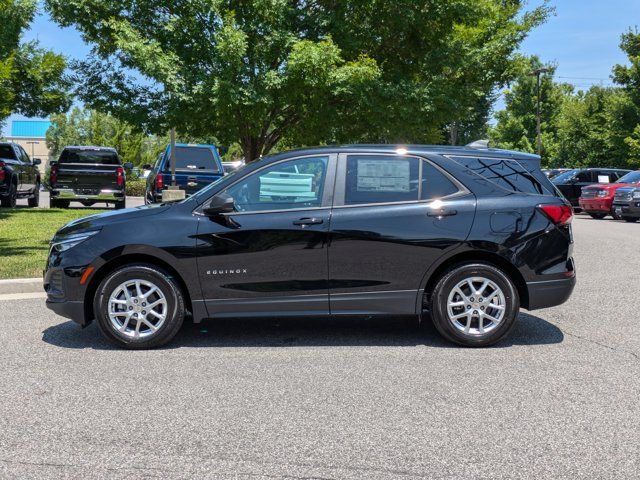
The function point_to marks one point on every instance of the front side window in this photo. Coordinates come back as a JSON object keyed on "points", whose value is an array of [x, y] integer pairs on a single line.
{"points": [[381, 179], [286, 185]]}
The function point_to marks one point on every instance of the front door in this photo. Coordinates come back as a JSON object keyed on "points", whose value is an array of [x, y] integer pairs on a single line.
{"points": [[269, 257], [393, 217]]}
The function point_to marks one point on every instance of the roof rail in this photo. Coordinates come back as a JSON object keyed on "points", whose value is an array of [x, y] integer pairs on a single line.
{"points": [[479, 144]]}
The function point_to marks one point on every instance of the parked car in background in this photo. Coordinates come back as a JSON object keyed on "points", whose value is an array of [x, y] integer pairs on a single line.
{"points": [[570, 183], [196, 167], [88, 175], [626, 203], [19, 176], [232, 166], [554, 172], [597, 200], [461, 236]]}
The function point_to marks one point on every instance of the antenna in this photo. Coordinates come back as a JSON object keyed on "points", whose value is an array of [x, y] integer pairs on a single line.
{"points": [[479, 144]]}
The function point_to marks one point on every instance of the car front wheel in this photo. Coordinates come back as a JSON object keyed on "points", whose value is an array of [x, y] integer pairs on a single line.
{"points": [[474, 305], [598, 216], [139, 306]]}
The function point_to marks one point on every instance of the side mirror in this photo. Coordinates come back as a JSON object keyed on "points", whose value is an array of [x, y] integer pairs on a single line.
{"points": [[53, 162], [221, 203], [128, 166], [36, 161], [146, 166]]}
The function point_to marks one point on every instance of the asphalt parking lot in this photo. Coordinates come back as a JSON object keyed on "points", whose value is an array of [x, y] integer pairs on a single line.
{"points": [[337, 400]]}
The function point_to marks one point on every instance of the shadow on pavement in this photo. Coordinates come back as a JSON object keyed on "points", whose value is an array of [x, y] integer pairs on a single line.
{"points": [[528, 330]]}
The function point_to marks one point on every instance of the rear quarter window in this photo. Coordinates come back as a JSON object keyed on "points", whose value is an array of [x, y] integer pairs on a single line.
{"points": [[509, 174]]}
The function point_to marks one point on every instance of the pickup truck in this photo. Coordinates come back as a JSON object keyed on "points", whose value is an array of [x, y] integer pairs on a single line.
{"points": [[88, 175], [197, 165], [19, 176]]}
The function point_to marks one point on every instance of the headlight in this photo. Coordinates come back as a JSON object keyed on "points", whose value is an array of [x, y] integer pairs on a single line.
{"points": [[636, 194], [603, 193], [65, 242]]}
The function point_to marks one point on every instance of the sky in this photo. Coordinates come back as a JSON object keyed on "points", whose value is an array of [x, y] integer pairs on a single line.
{"points": [[582, 38]]}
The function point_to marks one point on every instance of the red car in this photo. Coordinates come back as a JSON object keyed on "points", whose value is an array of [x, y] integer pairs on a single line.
{"points": [[597, 200]]}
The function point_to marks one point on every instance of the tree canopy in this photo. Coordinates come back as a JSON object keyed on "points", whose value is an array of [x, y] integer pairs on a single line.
{"points": [[268, 72], [32, 80]]}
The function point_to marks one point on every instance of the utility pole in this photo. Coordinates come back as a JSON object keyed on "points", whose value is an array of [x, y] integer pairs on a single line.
{"points": [[536, 73]]}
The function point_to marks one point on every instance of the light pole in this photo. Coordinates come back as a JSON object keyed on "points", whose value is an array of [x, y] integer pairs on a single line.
{"points": [[33, 144], [537, 72]]}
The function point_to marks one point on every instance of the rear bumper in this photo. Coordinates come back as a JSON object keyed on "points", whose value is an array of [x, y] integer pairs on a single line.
{"points": [[106, 195], [550, 293], [595, 205]]}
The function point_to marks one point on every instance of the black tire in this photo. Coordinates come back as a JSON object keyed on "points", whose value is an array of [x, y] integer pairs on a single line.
{"points": [[175, 306], [58, 203], [450, 280], [121, 205], [11, 199], [598, 216], [34, 200], [631, 219]]}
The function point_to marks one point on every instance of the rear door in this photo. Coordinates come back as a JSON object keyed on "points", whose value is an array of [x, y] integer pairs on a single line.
{"points": [[393, 217], [270, 255]]}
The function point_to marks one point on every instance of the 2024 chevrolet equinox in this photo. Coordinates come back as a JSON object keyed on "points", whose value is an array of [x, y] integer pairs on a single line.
{"points": [[464, 236]]}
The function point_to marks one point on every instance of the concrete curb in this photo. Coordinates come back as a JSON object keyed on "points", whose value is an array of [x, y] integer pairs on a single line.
{"points": [[21, 285]]}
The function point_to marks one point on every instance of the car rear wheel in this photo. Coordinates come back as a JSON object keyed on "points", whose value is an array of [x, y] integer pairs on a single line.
{"points": [[11, 199], [34, 200], [474, 305], [58, 203], [139, 306], [597, 216]]}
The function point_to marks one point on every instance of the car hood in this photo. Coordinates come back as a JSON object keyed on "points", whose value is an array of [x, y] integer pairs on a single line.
{"points": [[97, 221], [609, 186]]}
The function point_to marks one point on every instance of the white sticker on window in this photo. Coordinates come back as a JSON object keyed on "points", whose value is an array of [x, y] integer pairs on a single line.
{"points": [[603, 178], [383, 175]]}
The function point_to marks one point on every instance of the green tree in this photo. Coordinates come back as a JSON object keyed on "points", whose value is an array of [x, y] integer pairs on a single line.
{"points": [[89, 127], [32, 80], [516, 124], [280, 72]]}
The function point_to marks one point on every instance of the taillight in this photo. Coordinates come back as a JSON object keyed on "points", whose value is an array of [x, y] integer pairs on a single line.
{"points": [[2, 172], [159, 182], [120, 176], [53, 175], [558, 214]]}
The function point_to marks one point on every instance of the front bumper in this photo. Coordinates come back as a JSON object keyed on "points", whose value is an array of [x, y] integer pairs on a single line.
{"points": [[65, 296], [629, 209], [101, 196], [595, 205]]}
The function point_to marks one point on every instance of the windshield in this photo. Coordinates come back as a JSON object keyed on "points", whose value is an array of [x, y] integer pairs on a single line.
{"points": [[563, 177], [101, 157], [631, 177]]}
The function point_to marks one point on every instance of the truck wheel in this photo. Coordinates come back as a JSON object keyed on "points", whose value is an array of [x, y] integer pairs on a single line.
{"points": [[12, 197], [474, 305], [139, 306], [58, 203], [631, 219], [121, 205], [597, 216], [34, 200]]}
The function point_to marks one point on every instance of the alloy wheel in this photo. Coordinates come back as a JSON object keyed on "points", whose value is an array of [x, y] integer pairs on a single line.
{"points": [[137, 308], [476, 306]]}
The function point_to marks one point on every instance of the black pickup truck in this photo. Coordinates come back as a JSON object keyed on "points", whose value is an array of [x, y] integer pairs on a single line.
{"points": [[19, 176], [88, 175]]}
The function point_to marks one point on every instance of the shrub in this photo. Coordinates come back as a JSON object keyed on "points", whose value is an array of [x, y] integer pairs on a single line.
{"points": [[136, 187]]}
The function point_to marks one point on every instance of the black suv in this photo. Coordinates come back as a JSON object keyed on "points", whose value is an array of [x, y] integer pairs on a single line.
{"points": [[19, 176], [466, 236]]}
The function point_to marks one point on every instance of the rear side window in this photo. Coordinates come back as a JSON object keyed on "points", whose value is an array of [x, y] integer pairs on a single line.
{"points": [[508, 174], [6, 151], [381, 179], [100, 157], [194, 158]]}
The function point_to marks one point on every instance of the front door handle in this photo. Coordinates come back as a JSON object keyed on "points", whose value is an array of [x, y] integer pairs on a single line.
{"points": [[443, 212], [303, 222]]}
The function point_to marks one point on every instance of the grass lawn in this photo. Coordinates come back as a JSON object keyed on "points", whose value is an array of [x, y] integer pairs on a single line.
{"points": [[24, 238]]}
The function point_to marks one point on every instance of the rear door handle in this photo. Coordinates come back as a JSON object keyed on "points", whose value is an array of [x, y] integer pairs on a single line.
{"points": [[308, 221], [443, 212]]}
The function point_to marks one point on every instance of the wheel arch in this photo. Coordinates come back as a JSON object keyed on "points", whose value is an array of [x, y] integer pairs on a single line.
{"points": [[128, 259], [475, 256]]}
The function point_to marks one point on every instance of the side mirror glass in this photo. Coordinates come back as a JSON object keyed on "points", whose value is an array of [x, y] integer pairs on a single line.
{"points": [[37, 161], [221, 203], [128, 166]]}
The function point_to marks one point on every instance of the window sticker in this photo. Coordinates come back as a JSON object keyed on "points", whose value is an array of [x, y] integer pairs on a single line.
{"points": [[383, 175], [603, 178]]}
